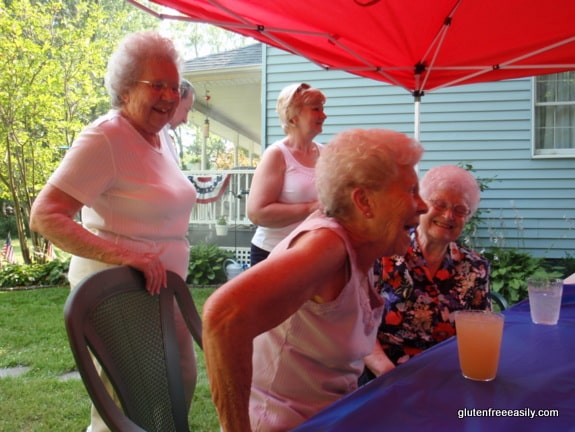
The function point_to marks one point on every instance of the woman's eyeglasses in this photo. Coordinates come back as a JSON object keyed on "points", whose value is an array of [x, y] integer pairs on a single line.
{"points": [[442, 205], [160, 86]]}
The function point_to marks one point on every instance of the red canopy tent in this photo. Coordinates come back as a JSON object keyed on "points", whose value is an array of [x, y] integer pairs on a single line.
{"points": [[420, 45]]}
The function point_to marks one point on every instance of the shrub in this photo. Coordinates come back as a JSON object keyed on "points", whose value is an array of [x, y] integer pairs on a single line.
{"points": [[206, 267], [511, 268], [17, 275], [207, 264]]}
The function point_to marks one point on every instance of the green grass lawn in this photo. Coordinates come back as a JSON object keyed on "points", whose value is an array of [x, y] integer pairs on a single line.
{"points": [[32, 334]]}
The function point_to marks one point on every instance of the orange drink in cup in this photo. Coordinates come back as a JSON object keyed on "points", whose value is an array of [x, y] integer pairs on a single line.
{"points": [[479, 343]]}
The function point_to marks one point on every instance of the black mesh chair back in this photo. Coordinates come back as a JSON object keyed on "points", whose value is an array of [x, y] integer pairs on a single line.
{"points": [[132, 334], [498, 300]]}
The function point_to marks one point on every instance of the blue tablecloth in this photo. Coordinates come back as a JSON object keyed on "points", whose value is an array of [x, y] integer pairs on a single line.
{"points": [[536, 378]]}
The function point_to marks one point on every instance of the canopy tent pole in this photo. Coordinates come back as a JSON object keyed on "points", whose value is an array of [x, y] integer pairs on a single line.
{"points": [[416, 115]]}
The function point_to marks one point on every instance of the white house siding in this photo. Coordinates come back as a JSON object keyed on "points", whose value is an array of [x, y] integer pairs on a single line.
{"points": [[530, 204]]}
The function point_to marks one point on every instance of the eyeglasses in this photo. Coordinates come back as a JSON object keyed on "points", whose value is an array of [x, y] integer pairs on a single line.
{"points": [[442, 205], [160, 86]]}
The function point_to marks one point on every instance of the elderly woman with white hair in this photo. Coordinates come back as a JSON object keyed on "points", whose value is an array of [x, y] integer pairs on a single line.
{"points": [[307, 315], [121, 175], [282, 192], [436, 277]]}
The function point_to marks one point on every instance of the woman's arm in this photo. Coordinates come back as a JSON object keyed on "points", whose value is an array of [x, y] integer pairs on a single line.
{"points": [[256, 301], [52, 215]]}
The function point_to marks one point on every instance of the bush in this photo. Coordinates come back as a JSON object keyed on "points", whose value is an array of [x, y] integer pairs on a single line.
{"points": [[206, 267], [510, 270], [207, 264], [52, 273]]}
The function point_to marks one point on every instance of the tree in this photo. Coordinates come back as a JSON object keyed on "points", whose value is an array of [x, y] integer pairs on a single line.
{"points": [[51, 86], [198, 39], [54, 55]]}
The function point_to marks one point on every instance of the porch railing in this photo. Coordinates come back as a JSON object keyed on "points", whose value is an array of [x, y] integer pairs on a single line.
{"points": [[221, 193]]}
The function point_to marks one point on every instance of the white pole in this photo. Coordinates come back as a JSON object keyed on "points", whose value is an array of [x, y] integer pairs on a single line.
{"points": [[206, 134], [416, 116]]}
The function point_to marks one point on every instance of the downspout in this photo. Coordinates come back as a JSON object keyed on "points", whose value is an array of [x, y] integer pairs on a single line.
{"points": [[263, 95]]}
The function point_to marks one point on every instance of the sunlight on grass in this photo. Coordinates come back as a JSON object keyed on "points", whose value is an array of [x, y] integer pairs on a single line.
{"points": [[33, 335]]}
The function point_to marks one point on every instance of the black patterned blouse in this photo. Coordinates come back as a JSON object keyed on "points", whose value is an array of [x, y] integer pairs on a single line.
{"points": [[419, 312]]}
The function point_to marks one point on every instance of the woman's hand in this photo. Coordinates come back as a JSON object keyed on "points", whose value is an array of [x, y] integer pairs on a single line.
{"points": [[152, 268], [378, 362]]}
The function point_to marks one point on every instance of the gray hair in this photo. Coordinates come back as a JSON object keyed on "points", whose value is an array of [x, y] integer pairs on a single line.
{"points": [[361, 158], [454, 178], [291, 100], [127, 62], [186, 89]]}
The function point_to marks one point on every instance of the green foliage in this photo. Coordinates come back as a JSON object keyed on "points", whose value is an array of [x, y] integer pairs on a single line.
{"points": [[49, 274], [511, 268], [52, 65], [207, 264], [568, 265], [469, 234], [206, 267], [7, 225]]}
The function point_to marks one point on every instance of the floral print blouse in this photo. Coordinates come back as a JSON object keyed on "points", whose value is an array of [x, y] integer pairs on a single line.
{"points": [[418, 311]]}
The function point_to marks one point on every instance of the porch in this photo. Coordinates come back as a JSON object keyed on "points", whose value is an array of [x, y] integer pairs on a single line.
{"points": [[222, 193]]}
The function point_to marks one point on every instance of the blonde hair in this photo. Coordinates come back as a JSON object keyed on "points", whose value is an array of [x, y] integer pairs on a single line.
{"points": [[361, 158], [291, 100]]}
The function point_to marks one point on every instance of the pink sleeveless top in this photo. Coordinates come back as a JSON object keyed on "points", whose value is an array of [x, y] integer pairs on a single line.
{"points": [[316, 356], [298, 187]]}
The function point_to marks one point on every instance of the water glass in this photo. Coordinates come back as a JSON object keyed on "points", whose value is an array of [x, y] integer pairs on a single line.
{"points": [[545, 299]]}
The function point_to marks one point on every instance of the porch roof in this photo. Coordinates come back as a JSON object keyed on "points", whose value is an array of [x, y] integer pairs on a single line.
{"points": [[233, 81]]}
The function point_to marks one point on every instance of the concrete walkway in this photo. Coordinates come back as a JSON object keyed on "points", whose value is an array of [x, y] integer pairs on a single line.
{"points": [[15, 372]]}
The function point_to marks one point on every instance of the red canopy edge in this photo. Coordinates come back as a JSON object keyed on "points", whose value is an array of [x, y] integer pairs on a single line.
{"points": [[420, 45]]}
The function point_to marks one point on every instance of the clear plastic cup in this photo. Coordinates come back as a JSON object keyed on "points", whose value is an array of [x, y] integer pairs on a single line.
{"points": [[545, 299]]}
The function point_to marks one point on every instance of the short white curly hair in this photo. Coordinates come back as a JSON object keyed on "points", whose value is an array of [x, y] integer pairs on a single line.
{"points": [[126, 63]]}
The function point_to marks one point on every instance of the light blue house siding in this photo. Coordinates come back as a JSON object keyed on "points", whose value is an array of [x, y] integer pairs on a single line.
{"points": [[529, 204]]}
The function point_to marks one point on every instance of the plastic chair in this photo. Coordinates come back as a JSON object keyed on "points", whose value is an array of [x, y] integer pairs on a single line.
{"points": [[499, 300], [132, 334]]}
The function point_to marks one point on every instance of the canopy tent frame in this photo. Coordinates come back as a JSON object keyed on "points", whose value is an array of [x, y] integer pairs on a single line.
{"points": [[306, 43]]}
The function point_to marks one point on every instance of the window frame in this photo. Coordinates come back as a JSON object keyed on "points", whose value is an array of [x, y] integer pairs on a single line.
{"points": [[536, 151]]}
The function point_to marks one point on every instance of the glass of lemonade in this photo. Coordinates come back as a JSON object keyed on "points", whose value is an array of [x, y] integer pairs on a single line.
{"points": [[479, 335], [545, 299]]}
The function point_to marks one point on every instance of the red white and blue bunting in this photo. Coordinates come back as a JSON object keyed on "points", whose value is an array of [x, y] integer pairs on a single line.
{"points": [[210, 189]]}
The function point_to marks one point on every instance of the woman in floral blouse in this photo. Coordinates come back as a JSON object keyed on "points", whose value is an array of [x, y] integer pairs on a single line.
{"points": [[434, 278]]}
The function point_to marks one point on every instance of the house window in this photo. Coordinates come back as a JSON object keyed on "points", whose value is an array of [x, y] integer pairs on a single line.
{"points": [[555, 114]]}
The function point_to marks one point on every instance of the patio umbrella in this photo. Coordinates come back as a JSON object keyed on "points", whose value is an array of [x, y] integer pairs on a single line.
{"points": [[420, 45]]}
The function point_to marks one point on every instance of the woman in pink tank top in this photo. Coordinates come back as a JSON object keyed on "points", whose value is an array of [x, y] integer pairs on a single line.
{"points": [[288, 336], [283, 193]]}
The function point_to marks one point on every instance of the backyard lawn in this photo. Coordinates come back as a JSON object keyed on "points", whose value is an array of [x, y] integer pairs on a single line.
{"points": [[32, 334]]}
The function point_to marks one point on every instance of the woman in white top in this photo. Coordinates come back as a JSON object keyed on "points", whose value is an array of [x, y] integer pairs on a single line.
{"points": [[121, 175], [283, 193], [287, 337]]}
